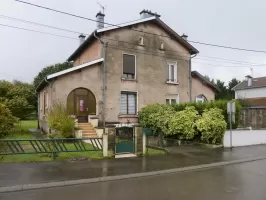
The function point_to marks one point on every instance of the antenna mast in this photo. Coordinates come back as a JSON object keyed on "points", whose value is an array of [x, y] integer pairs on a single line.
{"points": [[102, 7]]}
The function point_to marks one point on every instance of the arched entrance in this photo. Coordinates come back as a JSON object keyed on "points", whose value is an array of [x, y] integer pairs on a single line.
{"points": [[81, 102]]}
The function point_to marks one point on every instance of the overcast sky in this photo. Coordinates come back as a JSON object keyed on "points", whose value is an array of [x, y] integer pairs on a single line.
{"points": [[238, 23]]}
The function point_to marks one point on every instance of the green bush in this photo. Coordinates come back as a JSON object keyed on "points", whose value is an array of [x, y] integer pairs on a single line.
{"points": [[7, 121], [221, 104], [59, 120], [183, 123], [156, 117], [212, 126]]}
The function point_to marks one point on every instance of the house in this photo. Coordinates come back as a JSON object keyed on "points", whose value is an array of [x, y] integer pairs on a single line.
{"points": [[120, 69], [252, 95], [202, 89], [252, 91]]}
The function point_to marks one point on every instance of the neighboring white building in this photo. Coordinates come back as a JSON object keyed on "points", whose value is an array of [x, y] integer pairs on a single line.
{"points": [[253, 90]]}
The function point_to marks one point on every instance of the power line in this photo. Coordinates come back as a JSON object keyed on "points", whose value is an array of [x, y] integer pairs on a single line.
{"points": [[39, 24], [86, 18], [46, 33]]}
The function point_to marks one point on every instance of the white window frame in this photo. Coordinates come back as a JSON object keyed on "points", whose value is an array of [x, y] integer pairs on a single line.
{"points": [[137, 101], [135, 77], [200, 99], [170, 63], [170, 100]]}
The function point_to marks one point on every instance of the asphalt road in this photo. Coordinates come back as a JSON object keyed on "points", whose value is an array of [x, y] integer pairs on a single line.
{"points": [[240, 181]]}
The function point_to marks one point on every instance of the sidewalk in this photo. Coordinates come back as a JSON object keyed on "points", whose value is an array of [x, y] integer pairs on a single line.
{"points": [[32, 173]]}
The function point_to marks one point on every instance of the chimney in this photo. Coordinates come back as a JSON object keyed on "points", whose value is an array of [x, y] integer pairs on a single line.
{"points": [[184, 36], [248, 78], [146, 14], [100, 20], [81, 38]]}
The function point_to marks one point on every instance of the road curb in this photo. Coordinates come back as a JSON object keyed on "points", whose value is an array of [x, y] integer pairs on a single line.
{"points": [[25, 187]]}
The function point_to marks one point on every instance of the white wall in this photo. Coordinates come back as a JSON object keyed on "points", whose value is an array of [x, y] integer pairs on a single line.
{"points": [[250, 93], [245, 137]]}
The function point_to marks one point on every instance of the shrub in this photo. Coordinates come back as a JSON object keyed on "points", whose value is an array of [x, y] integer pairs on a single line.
{"points": [[59, 120], [6, 121], [156, 117], [221, 104], [212, 126], [183, 123]]}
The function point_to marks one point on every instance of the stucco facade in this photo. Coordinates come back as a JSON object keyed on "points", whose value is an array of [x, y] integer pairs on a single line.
{"points": [[151, 74], [201, 88], [248, 93]]}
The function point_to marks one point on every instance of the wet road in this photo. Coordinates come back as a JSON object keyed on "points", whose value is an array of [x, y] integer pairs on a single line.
{"points": [[241, 181], [30, 173]]}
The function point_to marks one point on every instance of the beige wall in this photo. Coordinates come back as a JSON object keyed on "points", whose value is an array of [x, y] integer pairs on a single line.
{"points": [[151, 70], [89, 78], [92, 52], [198, 88]]}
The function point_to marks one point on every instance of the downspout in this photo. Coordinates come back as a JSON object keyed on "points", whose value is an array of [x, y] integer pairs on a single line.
{"points": [[104, 45], [190, 77]]}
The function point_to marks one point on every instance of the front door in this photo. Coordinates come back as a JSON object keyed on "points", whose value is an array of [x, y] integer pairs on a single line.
{"points": [[124, 140], [82, 108], [81, 102]]}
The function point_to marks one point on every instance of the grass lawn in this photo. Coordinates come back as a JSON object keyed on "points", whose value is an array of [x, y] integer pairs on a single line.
{"points": [[153, 152]]}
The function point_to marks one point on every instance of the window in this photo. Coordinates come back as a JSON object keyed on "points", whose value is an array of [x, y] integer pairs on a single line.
{"points": [[172, 72], [201, 99], [172, 100], [128, 102], [129, 66]]}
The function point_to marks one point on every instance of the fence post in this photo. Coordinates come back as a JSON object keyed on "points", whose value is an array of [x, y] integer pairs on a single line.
{"points": [[144, 142], [105, 145], [110, 132], [138, 132]]}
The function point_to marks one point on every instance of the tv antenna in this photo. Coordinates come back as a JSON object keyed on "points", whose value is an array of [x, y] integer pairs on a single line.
{"points": [[102, 7], [251, 71]]}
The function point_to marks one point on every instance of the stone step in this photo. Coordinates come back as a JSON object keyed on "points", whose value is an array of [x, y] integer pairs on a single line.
{"points": [[86, 129], [89, 136]]}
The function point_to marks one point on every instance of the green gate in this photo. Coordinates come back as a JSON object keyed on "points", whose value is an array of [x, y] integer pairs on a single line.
{"points": [[124, 140]]}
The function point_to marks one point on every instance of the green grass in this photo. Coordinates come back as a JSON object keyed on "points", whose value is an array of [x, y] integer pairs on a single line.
{"points": [[21, 132], [153, 152]]}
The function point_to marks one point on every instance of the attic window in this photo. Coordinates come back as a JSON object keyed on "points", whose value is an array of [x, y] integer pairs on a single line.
{"points": [[141, 41], [161, 46]]}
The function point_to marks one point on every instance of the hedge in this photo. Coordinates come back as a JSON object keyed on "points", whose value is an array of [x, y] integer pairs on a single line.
{"points": [[221, 104]]}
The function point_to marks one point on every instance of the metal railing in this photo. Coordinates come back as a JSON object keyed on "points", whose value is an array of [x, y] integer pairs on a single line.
{"points": [[52, 146]]}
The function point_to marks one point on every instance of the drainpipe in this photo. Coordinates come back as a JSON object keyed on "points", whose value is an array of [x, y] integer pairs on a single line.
{"points": [[104, 45], [190, 78]]}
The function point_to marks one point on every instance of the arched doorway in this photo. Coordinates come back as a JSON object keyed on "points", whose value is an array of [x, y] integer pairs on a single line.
{"points": [[201, 98], [81, 102]]}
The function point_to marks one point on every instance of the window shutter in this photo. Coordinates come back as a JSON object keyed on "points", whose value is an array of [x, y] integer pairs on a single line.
{"points": [[123, 104], [128, 64], [131, 104]]}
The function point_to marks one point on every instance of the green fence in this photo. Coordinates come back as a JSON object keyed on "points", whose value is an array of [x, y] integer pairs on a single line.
{"points": [[52, 146]]}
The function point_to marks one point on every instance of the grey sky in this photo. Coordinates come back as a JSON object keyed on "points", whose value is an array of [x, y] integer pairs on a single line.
{"points": [[234, 23]]}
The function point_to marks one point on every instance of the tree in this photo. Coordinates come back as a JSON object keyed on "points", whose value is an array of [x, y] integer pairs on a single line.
{"points": [[18, 97], [50, 70], [232, 84], [223, 91], [6, 121]]}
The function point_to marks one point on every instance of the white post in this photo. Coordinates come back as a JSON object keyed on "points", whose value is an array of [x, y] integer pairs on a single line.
{"points": [[105, 145], [231, 143], [144, 140]]}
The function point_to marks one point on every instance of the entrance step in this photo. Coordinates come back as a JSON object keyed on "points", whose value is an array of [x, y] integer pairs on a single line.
{"points": [[87, 130], [128, 155]]}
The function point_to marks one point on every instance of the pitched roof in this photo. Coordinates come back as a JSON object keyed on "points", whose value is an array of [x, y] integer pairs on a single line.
{"points": [[156, 20], [51, 76], [205, 80], [256, 82]]}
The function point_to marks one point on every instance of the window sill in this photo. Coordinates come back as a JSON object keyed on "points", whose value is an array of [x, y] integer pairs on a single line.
{"points": [[172, 83], [129, 79], [127, 116]]}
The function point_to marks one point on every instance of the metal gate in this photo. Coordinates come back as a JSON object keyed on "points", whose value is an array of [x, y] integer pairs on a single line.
{"points": [[124, 140]]}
